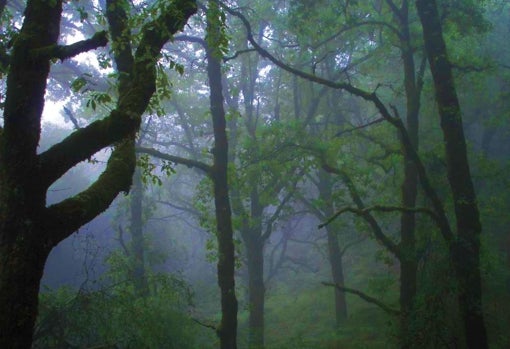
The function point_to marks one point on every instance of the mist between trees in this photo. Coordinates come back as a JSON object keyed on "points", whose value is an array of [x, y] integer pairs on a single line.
{"points": [[254, 174]]}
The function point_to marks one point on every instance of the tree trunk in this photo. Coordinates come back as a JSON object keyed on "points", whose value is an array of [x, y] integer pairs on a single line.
{"points": [[337, 272], [409, 189], [227, 330], [29, 229], [21, 268], [465, 248], [256, 290], [137, 240], [334, 253], [251, 233]]}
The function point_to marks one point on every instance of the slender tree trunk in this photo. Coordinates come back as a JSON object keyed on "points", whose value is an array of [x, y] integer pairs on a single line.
{"points": [[409, 189], [227, 330], [137, 241], [337, 272], [251, 233], [334, 253], [465, 248], [256, 290]]}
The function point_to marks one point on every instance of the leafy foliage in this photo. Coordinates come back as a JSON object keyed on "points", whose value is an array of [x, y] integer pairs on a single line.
{"points": [[111, 314]]}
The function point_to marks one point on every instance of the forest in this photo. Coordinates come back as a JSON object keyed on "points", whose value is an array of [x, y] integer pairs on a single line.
{"points": [[285, 174]]}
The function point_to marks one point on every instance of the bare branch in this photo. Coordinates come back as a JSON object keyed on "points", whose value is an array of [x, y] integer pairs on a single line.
{"points": [[379, 208], [365, 297], [63, 52], [189, 38], [360, 126], [237, 54], [205, 324]]}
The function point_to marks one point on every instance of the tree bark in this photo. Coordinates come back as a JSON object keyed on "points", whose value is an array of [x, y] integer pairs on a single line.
{"points": [[409, 189], [137, 240], [334, 253], [22, 265], [227, 331], [465, 248], [256, 289], [29, 229], [337, 272], [252, 227]]}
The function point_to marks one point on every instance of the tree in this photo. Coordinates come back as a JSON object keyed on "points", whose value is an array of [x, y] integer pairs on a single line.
{"points": [[464, 242], [29, 229], [227, 330], [465, 246], [215, 44]]}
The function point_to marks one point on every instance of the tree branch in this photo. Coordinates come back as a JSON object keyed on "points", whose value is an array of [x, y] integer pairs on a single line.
{"points": [[205, 324], [380, 208], [176, 159], [190, 38], [237, 54], [281, 205], [365, 297], [134, 93], [121, 45], [372, 222], [70, 214], [372, 97], [376, 121], [63, 52], [83, 143]]}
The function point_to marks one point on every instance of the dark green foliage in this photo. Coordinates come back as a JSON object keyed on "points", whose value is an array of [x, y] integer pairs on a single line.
{"points": [[111, 314]]}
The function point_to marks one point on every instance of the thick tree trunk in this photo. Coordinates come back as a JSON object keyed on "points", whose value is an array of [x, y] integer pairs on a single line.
{"points": [[21, 268], [24, 245], [465, 248], [227, 330], [29, 229], [256, 291]]}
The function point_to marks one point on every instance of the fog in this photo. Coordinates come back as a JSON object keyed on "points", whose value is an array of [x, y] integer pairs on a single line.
{"points": [[349, 203]]}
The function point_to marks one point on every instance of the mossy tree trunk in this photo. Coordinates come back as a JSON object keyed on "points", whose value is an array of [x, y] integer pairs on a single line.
{"points": [[465, 246], [28, 228]]}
